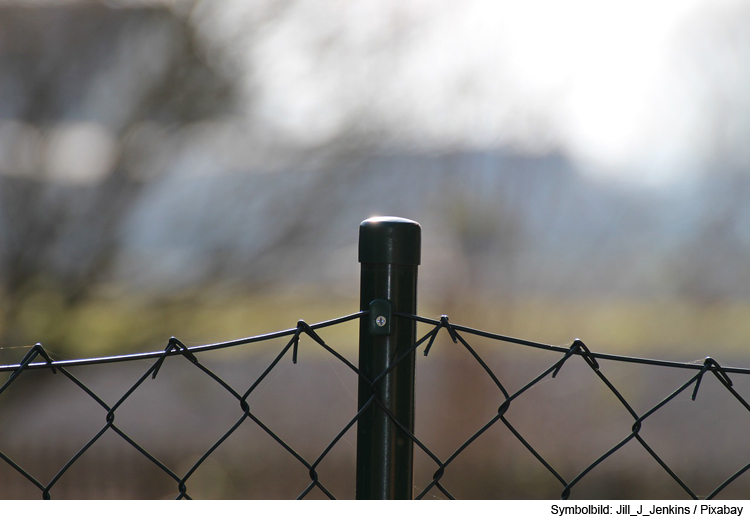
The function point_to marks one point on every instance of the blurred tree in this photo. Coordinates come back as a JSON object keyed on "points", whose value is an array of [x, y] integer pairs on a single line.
{"points": [[78, 81]]}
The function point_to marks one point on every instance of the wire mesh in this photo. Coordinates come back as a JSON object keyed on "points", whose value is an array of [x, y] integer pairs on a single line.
{"points": [[497, 385]]}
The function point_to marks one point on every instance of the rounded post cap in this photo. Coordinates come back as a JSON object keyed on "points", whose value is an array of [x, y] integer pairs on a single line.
{"points": [[390, 240]]}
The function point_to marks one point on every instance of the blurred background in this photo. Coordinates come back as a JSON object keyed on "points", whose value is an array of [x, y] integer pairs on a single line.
{"points": [[200, 169]]}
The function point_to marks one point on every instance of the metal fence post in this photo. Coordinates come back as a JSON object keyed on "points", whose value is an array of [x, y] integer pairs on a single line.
{"points": [[389, 252]]}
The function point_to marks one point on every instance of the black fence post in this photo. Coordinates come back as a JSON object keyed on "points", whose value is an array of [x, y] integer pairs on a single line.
{"points": [[389, 252]]}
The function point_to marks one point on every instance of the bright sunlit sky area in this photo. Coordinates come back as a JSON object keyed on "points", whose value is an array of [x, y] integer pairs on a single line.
{"points": [[647, 91], [609, 83]]}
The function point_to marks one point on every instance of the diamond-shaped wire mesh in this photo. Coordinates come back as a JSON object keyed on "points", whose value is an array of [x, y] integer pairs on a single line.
{"points": [[634, 435], [574, 427]]}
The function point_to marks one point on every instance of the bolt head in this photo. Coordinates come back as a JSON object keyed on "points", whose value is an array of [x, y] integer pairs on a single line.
{"points": [[380, 321]]}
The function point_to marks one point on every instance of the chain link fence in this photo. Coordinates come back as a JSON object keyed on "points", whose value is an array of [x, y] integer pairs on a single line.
{"points": [[106, 411], [510, 419]]}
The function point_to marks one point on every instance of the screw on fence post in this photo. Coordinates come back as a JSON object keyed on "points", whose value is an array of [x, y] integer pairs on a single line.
{"points": [[389, 252]]}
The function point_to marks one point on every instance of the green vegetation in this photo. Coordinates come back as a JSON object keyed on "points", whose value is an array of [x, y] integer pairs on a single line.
{"points": [[119, 324]]}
